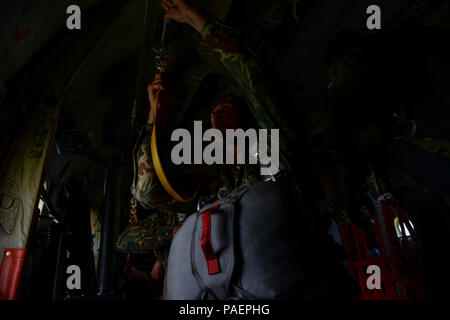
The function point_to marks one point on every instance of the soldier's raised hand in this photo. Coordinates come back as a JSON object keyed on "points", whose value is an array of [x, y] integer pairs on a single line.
{"points": [[185, 11]]}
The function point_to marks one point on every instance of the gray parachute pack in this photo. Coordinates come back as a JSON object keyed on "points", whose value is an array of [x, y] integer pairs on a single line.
{"points": [[258, 243]]}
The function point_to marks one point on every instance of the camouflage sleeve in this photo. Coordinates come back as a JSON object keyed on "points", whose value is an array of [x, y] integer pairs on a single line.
{"points": [[154, 233], [243, 66], [146, 187]]}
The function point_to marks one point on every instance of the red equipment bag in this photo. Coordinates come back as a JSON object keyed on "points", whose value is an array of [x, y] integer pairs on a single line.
{"points": [[10, 272]]}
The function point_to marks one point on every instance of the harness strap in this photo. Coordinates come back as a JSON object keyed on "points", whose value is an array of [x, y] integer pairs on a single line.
{"points": [[200, 282], [208, 251]]}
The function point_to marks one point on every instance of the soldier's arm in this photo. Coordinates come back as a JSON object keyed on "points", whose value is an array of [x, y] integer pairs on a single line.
{"points": [[146, 187], [241, 64]]}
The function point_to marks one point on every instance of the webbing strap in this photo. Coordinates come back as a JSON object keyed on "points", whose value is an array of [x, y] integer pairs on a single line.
{"points": [[208, 251]]}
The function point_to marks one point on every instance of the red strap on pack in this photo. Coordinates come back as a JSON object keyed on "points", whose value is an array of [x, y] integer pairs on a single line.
{"points": [[208, 251]]}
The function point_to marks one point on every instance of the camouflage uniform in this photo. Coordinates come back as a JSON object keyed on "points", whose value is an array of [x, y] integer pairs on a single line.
{"points": [[245, 68], [152, 233], [218, 181]]}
